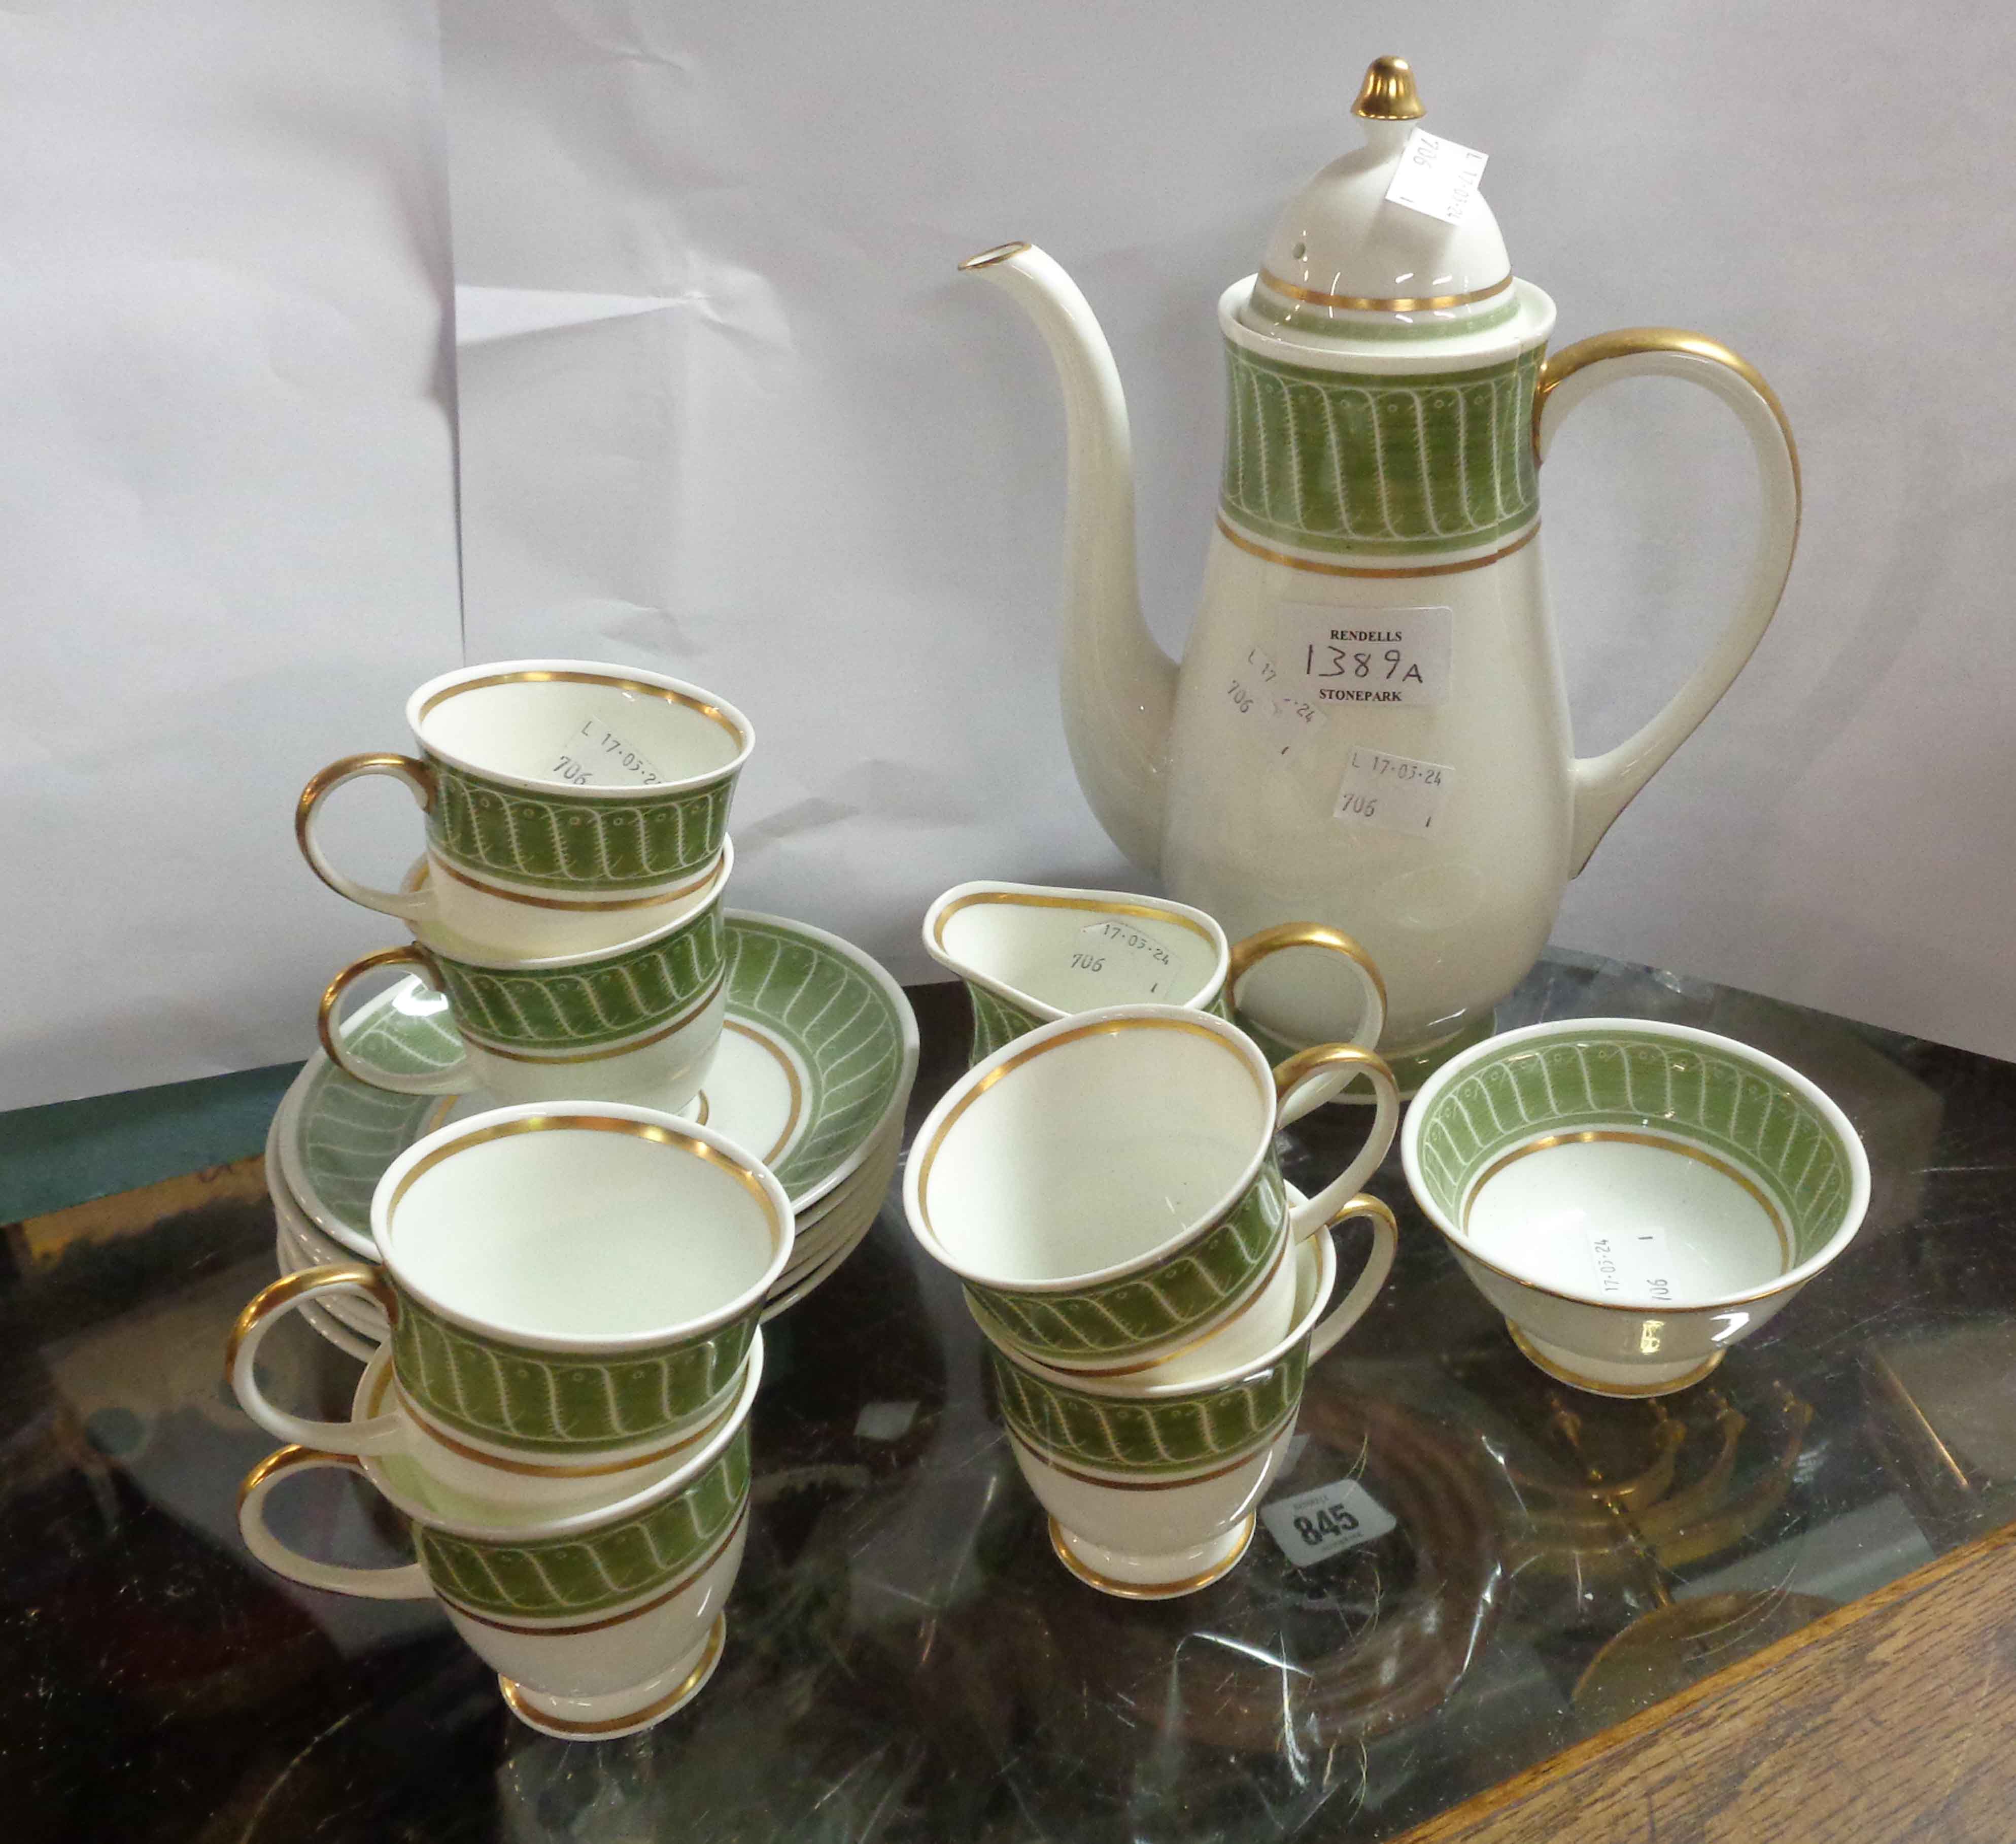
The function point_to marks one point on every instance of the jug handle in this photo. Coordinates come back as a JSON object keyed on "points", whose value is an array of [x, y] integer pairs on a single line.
{"points": [[1604, 785]]}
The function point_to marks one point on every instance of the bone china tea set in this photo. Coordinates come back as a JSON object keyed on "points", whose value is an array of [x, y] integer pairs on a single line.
{"points": [[549, 1186]]}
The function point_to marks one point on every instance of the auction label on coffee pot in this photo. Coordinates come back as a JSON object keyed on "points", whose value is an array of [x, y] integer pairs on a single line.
{"points": [[1341, 656]]}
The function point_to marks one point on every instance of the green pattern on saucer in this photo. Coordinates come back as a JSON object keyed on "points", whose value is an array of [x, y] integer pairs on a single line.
{"points": [[573, 842], [566, 1577], [1621, 1078], [549, 1402], [1180, 1296], [598, 1004], [847, 1037], [1365, 464], [1176, 1435]]}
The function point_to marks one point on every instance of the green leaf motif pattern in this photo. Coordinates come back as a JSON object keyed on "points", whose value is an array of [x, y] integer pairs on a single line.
{"points": [[562, 1578], [600, 1004], [552, 1402], [1181, 1295], [1597, 1079], [1359, 464], [841, 1025], [570, 841], [1181, 1434], [996, 1022]]}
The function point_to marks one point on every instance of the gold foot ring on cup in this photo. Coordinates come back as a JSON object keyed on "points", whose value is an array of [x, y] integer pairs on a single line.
{"points": [[1575, 1380], [527, 1712], [1136, 1590]]}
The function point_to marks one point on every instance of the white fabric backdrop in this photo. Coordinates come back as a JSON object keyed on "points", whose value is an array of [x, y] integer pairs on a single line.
{"points": [[725, 409], [226, 535], [762, 434]]}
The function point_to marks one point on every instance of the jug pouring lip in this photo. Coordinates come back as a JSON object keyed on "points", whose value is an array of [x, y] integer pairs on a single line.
{"points": [[1397, 344], [991, 891]]}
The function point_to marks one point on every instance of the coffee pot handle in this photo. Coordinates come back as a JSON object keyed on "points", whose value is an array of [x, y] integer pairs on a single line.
{"points": [[1604, 785]]}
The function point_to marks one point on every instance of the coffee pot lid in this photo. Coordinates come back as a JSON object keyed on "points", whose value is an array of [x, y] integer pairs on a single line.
{"points": [[1343, 261]]}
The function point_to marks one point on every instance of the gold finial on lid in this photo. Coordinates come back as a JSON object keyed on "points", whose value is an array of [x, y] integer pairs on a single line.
{"points": [[1387, 93]]}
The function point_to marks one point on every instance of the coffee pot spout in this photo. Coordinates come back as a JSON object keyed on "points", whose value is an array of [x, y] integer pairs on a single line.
{"points": [[1119, 686]]}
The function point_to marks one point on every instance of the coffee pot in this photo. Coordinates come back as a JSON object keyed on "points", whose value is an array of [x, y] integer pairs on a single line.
{"points": [[1370, 727]]}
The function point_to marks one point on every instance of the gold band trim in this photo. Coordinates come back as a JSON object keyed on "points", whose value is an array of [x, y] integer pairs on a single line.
{"points": [[1129, 1590], [1351, 570], [286, 1459], [277, 1295], [534, 1717], [1155, 1484], [1363, 303], [1628, 341], [780, 1229], [615, 681], [418, 776], [598, 1056], [1111, 1029], [791, 1068], [1591, 1136], [987, 258], [615, 1620], [530, 902], [1575, 1380], [1028, 900], [1248, 954]]}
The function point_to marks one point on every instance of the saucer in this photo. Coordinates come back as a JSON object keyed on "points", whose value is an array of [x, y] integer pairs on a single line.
{"points": [[816, 1060]]}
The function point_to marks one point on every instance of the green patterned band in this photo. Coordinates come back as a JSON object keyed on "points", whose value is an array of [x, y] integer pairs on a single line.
{"points": [[564, 1578], [549, 1402], [578, 842], [1181, 1296], [1365, 464], [1622, 1079], [598, 1004], [1163, 1438]]}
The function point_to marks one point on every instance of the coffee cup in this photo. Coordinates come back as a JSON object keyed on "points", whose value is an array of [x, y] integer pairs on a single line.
{"points": [[638, 1021], [569, 1286], [569, 803], [1151, 1487], [1106, 1186], [598, 1622], [1634, 1197], [1031, 954]]}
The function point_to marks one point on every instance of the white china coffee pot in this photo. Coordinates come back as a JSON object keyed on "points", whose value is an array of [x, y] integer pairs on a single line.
{"points": [[1369, 729]]}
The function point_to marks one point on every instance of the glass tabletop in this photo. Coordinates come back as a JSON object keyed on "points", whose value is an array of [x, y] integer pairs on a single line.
{"points": [[1487, 1566]]}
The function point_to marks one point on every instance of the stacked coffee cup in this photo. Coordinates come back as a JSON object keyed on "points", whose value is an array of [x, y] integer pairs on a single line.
{"points": [[1152, 1291], [572, 1282]]}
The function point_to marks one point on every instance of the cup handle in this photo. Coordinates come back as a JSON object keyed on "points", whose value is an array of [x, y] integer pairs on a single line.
{"points": [[405, 1581], [452, 1080], [373, 1436], [1356, 964], [1371, 1277], [408, 905], [1314, 1071]]}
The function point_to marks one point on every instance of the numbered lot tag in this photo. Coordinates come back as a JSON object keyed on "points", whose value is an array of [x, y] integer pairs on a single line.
{"points": [[1325, 1521], [1113, 948], [1631, 1264], [595, 755], [1334, 657], [1262, 695], [1395, 793], [1436, 178]]}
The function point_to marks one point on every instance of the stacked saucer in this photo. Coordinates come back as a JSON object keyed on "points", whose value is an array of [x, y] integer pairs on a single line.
{"points": [[819, 1050]]}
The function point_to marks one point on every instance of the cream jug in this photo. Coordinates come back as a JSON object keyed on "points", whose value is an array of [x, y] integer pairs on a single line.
{"points": [[1370, 727]]}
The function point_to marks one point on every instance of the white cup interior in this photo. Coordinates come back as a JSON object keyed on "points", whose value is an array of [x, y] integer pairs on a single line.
{"points": [[582, 732], [1078, 958], [1103, 1146], [574, 1233]]}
